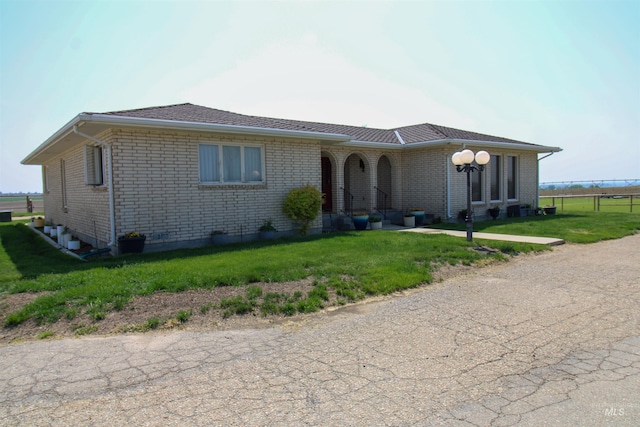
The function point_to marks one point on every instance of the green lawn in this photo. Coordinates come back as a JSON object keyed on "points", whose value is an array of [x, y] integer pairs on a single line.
{"points": [[575, 227], [353, 265]]}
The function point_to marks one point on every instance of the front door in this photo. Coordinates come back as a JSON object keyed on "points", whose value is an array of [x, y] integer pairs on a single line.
{"points": [[327, 206]]}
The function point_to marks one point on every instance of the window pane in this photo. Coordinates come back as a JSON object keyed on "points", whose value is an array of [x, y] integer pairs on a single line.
{"points": [[253, 164], [231, 165], [209, 163], [511, 177], [476, 186], [496, 169]]}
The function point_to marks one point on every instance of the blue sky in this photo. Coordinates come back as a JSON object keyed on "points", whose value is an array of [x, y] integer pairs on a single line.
{"points": [[557, 73]]}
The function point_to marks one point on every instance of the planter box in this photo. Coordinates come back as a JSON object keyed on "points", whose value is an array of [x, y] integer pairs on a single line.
{"points": [[131, 244], [38, 223], [376, 225], [5, 216], [550, 210]]}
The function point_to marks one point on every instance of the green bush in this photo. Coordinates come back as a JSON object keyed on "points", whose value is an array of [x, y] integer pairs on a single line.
{"points": [[303, 205]]}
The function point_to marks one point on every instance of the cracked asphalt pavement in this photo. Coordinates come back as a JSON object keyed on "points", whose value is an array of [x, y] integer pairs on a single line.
{"points": [[550, 339]]}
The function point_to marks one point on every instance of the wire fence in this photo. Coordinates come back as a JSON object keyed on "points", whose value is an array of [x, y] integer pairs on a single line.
{"points": [[598, 202]]}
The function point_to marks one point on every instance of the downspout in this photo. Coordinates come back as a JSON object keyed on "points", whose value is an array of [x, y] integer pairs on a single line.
{"points": [[112, 211], [538, 186]]}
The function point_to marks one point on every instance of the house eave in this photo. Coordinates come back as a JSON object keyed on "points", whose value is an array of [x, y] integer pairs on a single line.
{"points": [[93, 124], [451, 142]]}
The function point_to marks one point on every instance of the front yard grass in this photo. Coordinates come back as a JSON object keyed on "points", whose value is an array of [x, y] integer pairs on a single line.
{"points": [[574, 227], [349, 266], [342, 267]]}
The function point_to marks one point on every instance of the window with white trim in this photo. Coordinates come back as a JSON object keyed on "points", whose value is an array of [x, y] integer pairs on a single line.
{"points": [[230, 164], [93, 165], [496, 177], [476, 185], [512, 177]]}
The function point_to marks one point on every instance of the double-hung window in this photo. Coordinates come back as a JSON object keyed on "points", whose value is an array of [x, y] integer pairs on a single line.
{"points": [[93, 165], [231, 164]]}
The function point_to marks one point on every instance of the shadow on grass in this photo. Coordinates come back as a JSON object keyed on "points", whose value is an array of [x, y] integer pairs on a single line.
{"points": [[32, 257]]}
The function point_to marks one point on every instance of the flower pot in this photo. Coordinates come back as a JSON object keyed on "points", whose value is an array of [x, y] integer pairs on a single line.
{"points": [[419, 217], [409, 221], [54, 232], [376, 225], [73, 245], [267, 235], [219, 239], [550, 210], [360, 222], [38, 223], [47, 229], [128, 245]]}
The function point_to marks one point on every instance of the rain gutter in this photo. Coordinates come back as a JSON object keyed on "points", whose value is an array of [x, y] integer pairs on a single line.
{"points": [[112, 211]]}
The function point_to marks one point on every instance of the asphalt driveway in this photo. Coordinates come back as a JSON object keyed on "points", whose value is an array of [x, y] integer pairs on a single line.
{"points": [[551, 339]]}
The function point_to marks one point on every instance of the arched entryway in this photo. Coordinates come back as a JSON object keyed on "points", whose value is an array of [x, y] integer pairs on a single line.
{"points": [[357, 186]]}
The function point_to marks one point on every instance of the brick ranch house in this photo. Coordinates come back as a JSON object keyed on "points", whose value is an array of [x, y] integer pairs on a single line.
{"points": [[178, 172]]}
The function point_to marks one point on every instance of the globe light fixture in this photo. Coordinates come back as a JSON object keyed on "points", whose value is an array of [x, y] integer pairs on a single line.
{"points": [[463, 161]]}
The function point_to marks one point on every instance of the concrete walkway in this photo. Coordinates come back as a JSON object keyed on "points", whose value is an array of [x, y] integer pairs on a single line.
{"points": [[492, 236], [543, 340]]}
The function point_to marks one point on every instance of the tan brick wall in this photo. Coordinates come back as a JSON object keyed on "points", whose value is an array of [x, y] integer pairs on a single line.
{"points": [[85, 203], [158, 192]]}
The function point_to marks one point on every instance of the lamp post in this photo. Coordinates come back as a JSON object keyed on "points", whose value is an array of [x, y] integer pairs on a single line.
{"points": [[462, 160]]}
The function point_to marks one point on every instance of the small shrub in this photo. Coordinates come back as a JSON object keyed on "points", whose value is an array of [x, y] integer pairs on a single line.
{"points": [[303, 205]]}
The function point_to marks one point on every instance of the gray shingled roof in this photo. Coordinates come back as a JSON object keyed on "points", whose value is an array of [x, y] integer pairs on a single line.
{"points": [[410, 134]]}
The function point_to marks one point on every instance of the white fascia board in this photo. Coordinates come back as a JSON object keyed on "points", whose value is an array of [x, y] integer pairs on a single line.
{"points": [[210, 127], [60, 134], [496, 144], [369, 144]]}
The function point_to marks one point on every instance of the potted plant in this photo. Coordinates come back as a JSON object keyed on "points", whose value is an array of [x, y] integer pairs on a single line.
{"points": [[549, 210], [419, 214], [409, 220], [267, 230], [47, 228], [219, 237], [73, 245], [360, 220], [38, 222], [376, 222], [131, 242], [494, 212]]}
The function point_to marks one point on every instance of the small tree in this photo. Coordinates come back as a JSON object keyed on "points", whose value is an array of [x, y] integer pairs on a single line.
{"points": [[303, 204]]}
